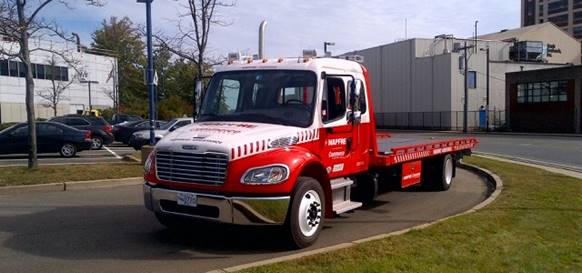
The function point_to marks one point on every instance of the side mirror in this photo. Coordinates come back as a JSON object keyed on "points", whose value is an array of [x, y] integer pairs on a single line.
{"points": [[354, 114]]}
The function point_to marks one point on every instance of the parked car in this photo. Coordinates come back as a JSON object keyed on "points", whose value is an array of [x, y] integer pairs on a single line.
{"points": [[101, 131], [123, 131], [141, 138], [121, 118], [52, 137]]}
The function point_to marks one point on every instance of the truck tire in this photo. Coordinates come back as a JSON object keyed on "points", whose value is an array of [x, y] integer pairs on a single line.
{"points": [[306, 213], [366, 189], [445, 173]]}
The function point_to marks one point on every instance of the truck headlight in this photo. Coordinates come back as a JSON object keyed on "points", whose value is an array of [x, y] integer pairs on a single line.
{"points": [[266, 175], [149, 162]]}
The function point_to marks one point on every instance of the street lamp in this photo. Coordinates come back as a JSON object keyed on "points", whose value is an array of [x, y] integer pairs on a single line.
{"points": [[325, 52], [150, 68], [88, 82]]}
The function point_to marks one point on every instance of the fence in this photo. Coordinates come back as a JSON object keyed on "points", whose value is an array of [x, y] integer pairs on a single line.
{"points": [[445, 120]]}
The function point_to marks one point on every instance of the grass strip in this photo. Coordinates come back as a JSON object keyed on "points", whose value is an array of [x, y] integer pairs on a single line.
{"points": [[534, 226], [15, 176]]}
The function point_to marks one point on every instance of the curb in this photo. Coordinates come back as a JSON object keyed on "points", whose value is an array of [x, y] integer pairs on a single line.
{"points": [[495, 184], [547, 166], [72, 185]]}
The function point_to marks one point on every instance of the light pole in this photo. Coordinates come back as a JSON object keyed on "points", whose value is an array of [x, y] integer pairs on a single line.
{"points": [[150, 68], [89, 86], [325, 52]]}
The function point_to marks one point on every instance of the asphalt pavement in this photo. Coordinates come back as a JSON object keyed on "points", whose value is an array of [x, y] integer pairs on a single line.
{"points": [[109, 230], [555, 151]]}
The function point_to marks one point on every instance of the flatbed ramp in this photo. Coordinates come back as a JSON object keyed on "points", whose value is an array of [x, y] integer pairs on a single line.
{"points": [[393, 149]]}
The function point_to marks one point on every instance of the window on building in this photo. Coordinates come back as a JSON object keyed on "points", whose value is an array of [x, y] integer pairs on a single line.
{"points": [[557, 6], [541, 10], [21, 70], [560, 20], [577, 32], [48, 71], [64, 74], [577, 17], [13, 68], [40, 71], [541, 92], [529, 13], [4, 68], [577, 4], [472, 79]]}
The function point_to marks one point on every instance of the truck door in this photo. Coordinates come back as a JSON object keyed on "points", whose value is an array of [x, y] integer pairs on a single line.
{"points": [[337, 134], [361, 128]]}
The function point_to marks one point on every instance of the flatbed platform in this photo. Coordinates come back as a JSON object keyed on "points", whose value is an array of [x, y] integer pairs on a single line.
{"points": [[394, 149]]}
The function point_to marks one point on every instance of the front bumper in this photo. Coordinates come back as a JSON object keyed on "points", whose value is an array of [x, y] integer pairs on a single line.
{"points": [[232, 210]]}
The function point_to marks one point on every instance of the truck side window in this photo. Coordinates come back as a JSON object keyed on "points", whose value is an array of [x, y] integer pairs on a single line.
{"points": [[362, 98], [335, 100]]}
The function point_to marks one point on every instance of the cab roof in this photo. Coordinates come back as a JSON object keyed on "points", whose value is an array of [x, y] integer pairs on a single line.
{"points": [[314, 64]]}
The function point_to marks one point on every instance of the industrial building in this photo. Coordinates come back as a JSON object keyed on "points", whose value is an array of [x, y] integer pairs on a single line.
{"points": [[546, 100], [419, 83], [80, 70], [566, 14]]}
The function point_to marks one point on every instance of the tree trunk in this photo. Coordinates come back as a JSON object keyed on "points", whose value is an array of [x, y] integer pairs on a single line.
{"points": [[25, 58]]}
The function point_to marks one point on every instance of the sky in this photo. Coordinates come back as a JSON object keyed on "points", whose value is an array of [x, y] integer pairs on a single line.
{"points": [[294, 25]]}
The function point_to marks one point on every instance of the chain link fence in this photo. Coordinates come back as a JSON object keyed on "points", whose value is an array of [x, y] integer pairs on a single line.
{"points": [[444, 120]]}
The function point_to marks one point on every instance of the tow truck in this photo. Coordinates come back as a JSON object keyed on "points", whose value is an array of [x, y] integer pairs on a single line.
{"points": [[289, 142]]}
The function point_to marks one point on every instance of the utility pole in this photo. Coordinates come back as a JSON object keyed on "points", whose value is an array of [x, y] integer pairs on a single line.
{"points": [[476, 22], [487, 93], [150, 68], [466, 93]]}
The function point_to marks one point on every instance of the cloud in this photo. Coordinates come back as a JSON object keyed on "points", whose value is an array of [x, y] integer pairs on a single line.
{"points": [[297, 24]]}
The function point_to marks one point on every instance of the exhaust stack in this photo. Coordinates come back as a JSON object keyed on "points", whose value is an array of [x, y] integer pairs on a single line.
{"points": [[262, 39]]}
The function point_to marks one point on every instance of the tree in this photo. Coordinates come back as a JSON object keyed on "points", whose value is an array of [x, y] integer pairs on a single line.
{"points": [[55, 93], [125, 40], [20, 21], [191, 41]]}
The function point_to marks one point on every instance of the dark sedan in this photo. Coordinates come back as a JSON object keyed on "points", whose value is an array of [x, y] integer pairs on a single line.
{"points": [[123, 131], [52, 137], [101, 131]]}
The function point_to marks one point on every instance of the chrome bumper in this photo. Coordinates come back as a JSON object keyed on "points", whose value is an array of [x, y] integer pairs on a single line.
{"points": [[233, 210]]}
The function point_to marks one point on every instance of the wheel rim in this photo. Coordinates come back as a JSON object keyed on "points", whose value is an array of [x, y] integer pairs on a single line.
{"points": [[448, 171], [95, 143], [309, 213], [68, 150]]}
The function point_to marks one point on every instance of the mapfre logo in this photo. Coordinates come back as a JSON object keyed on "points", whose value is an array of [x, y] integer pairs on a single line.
{"points": [[336, 141]]}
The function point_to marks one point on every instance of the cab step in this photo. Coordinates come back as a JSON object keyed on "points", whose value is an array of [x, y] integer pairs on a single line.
{"points": [[341, 192]]}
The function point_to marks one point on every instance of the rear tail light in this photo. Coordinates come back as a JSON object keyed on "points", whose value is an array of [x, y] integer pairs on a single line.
{"points": [[108, 128], [87, 134]]}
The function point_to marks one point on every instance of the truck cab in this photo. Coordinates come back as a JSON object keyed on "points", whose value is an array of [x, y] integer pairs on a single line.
{"points": [[278, 142]]}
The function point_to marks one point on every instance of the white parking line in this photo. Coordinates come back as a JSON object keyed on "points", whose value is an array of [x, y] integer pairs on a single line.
{"points": [[112, 152]]}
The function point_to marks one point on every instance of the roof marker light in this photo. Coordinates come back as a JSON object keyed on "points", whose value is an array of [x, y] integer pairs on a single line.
{"points": [[280, 60]]}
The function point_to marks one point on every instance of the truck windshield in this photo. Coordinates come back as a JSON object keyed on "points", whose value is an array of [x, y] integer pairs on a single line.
{"points": [[284, 97]]}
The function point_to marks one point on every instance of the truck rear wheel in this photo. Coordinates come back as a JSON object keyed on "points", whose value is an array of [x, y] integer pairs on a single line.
{"points": [[307, 211], [446, 173]]}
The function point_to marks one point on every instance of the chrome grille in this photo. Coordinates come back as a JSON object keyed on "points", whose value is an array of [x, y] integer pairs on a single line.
{"points": [[208, 168]]}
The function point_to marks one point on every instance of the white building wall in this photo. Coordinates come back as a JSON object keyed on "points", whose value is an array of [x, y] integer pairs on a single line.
{"points": [[76, 97]]}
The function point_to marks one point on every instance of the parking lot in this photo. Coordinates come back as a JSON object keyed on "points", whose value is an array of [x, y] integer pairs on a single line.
{"points": [[110, 153]]}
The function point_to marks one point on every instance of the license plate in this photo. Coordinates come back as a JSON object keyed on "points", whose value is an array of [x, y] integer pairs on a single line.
{"points": [[187, 199]]}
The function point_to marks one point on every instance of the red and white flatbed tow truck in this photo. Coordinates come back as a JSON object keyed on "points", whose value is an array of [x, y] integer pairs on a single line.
{"points": [[287, 142]]}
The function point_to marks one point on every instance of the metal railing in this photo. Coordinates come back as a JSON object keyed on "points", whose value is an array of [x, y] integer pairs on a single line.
{"points": [[442, 120]]}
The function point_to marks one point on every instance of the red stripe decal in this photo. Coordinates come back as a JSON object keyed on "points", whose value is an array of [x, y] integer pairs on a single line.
{"points": [[245, 153], [251, 147], [239, 151]]}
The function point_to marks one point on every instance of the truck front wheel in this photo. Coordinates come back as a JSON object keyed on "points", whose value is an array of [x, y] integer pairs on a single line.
{"points": [[307, 210]]}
